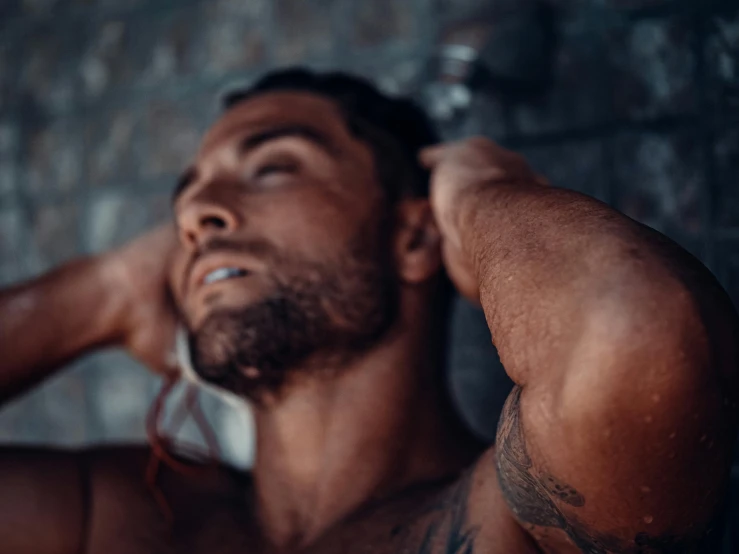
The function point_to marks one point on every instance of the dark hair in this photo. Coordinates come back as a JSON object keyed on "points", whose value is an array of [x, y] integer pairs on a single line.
{"points": [[396, 129]]}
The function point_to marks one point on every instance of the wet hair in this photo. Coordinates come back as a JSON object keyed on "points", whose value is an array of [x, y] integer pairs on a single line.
{"points": [[396, 129]]}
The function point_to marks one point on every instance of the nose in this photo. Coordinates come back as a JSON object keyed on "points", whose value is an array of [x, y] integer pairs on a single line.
{"points": [[202, 219]]}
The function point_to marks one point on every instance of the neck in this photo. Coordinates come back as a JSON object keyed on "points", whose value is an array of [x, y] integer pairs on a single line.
{"points": [[328, 446]]}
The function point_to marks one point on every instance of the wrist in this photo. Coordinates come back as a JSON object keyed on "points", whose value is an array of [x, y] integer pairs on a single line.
{"points": [[115, 314], [467, 205]]}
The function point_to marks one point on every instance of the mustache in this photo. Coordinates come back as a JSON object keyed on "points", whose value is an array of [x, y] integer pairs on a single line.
{"points": [[258, 248]]}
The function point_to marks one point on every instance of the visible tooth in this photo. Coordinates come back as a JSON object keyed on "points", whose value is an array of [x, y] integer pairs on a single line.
{"points": [[217, 275], [222, 273]]}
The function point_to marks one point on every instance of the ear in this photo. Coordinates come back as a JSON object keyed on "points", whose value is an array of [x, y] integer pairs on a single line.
{"points": [[417, 241]]}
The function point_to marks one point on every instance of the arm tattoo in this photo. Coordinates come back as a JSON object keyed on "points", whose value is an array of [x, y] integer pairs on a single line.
{"points": [[539, 499]]}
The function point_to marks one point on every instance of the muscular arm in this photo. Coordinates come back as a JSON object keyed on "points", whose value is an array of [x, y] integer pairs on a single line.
{"points": [[53, 319], [618, 435], [113, 299]]}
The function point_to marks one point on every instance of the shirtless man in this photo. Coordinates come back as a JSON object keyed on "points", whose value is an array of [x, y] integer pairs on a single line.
{"points": [[309, 270]]}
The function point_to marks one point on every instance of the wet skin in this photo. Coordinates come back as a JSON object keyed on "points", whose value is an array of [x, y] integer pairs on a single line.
{"points": [[617, 437]]}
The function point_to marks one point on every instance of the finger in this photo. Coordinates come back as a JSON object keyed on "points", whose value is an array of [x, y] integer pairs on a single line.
{"points": [[431, 155]]}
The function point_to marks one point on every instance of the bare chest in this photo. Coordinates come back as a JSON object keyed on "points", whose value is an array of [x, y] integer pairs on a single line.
{"points": [[427, 520]]}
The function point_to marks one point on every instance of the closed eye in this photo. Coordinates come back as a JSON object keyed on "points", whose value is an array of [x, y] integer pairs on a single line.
{"points": [[272, 168]]}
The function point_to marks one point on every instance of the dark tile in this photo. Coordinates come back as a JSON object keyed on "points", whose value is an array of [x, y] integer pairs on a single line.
{"points": [[659, 180], [12, 419], [575, 165], [142, 51], [163, 47], [9, 138], [54, 236], [9, 155], [108, 58], [12, 229], [115, 218], [48, 76], [464, 9], [173, 129], [9, 62], [231, 36], [727, 172], [59, 408], [116, 5], [114, 142], [722, 54], [9, 176], [8, 9], [396, 74], [653, 68], [576, 97], [478, 382], [40, 7], [53, 156], [21, 422], [121, 392], [383, 20], [303, 29], [616, 5]]}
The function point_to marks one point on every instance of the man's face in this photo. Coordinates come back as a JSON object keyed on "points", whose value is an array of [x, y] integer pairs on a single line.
{"points": [[285, 250]]}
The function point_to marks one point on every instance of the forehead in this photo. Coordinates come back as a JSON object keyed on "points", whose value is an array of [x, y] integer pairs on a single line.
{"points": [[273, 109]]}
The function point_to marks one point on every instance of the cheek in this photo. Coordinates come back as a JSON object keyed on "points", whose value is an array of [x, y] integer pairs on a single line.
{"points": [[176, 275], [316, 225]]}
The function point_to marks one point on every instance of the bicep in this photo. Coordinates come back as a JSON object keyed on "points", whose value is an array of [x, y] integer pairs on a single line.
{"points": [[43, 501], [616, 475]]}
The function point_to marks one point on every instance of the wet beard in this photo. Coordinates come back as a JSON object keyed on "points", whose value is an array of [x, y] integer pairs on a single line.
{"points": [[340, 313]]}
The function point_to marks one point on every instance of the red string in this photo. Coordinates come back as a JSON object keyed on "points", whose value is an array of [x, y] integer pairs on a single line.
{"points": [[162, 446]]}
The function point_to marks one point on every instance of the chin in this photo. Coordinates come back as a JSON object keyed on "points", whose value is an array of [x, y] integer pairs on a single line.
{"points": [[251, 349]]}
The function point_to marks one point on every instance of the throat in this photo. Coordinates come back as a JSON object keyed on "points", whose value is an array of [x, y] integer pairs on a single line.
{"points": [[330, 447]]}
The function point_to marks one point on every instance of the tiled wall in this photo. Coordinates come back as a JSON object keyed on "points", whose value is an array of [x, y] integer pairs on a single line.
{"points": [[102, 102]]}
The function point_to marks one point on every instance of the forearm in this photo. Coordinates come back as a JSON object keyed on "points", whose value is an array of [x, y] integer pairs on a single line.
{"points": [[53, 319]]}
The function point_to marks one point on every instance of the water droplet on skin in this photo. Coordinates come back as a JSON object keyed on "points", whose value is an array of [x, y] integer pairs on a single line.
{"points": [[645, 489], [656, 398], [648, 419], [648, 519], [673, 434]]}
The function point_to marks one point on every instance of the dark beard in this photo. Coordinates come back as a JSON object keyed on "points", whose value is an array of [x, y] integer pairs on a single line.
{"points": [[340, 312]]}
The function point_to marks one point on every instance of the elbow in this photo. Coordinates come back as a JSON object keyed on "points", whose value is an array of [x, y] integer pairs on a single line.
{"points": [[645, 340]]}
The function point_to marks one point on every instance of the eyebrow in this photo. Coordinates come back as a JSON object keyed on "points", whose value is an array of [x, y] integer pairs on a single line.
{"points": [[183, 181], [254, 141]]}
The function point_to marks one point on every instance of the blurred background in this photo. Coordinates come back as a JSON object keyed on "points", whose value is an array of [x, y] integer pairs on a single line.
{"points": [[102, 102]]}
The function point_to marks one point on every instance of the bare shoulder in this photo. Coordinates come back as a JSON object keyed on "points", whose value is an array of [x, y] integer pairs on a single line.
{"points": [[133, 509]]}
